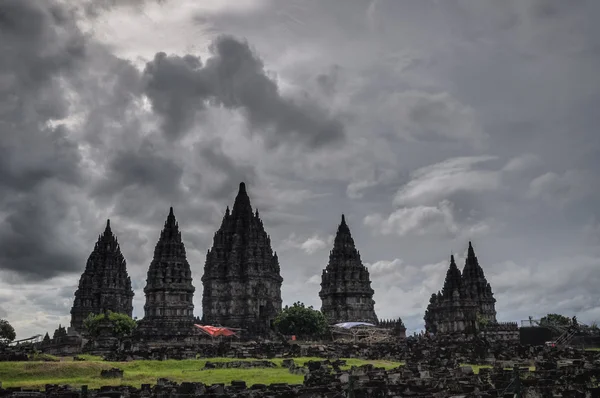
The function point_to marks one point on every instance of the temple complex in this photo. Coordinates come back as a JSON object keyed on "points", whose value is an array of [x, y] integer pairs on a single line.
{"points": [[169, 308], [242, 281], [465, 300], [104, 284], [346, 292]]}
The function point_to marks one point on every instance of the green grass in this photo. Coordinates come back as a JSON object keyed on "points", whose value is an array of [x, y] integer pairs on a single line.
{"points": [[76, 373], [593, 349], [477, 367]]}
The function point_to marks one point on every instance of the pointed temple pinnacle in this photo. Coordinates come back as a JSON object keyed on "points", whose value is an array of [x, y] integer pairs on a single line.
{"points": [[471, 252], [343, 219], [107, 226], [451, 258], [171, 211], [242, 205]]}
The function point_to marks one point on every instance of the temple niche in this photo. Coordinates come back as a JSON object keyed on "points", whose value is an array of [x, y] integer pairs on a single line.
{"points": [[465, 299], [346, 292], [169, 308], [104, 284], [242, 281]]}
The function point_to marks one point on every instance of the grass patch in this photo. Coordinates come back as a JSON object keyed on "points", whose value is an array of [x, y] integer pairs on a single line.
{"points": [[77, 373], [476, 368], [593, 349]]}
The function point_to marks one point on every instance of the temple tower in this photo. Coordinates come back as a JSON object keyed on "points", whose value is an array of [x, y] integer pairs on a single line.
{"points": [[169, 308], [346, 292], [477, 287], [451, 310], [242, 281], [104, 284]]}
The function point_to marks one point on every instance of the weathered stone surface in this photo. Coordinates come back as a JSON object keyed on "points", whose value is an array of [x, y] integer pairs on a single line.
{"points": [[464, 302], [346, 292], [105, 284], [169, 308], [242, 281]]}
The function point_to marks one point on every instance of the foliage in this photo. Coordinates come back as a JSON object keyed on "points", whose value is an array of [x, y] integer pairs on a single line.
{"points": [[556, 319], [482, 321], [301, 321], [7, 332], [38, 374], [121, 325]]}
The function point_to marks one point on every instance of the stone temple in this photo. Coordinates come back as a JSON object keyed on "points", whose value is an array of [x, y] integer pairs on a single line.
{"points": [[104, 284], [242, 281], [346, 292], [464, 301], [169, 308]]}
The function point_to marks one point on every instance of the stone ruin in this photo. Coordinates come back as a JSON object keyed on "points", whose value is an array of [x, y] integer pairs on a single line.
{"points": [[431, 369]]}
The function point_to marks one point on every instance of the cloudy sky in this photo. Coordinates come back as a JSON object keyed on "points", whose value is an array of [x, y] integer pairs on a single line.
{"points": [[428, 123]]}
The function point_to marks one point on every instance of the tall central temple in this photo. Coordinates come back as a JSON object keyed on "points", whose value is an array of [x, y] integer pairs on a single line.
{"points": [[242, 281], [169, 308], [346, 292]]}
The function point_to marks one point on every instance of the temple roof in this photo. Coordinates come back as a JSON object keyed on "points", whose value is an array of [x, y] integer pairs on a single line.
{"points": [[453, 279]]}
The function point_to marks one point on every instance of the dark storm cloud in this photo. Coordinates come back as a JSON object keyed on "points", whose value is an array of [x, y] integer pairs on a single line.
{"points": [[145, 167], [40, 45], [234, 77]]}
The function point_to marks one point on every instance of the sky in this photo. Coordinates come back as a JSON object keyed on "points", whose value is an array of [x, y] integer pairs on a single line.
{"points": [[429, 124]]}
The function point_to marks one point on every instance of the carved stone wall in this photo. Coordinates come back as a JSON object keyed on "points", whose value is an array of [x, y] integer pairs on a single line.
{"points": [[346, 292], [105, 284], [242, 281], [169, 308], [464, 300]]}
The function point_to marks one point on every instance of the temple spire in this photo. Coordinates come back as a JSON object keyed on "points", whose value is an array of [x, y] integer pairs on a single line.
{"points": [[453, 279], [241, 205], [346, 293], [471, 252], [107, 230]]}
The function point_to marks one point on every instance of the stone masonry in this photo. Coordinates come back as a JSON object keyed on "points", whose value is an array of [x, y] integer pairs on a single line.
{"points": [[169, 308], [346, 292], [477, 287], [451, 310], [242, 281], [104, 284]]}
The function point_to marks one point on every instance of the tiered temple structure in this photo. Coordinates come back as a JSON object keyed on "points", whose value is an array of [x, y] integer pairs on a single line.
{"points": [[104, 284], [242, 281], [465, 301], [477, 287], [346, 292], [169, 308]]}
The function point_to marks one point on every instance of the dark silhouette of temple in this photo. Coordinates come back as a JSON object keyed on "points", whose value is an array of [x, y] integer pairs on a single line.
{"points": [[169, 308], [104, 284], [465, 301], [242, 281], [346, 292]]}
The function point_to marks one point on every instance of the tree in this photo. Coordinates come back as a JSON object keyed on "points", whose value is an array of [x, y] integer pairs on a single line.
{"points": [[301, 321], [556, 319], [121, 325], [7, 332]]}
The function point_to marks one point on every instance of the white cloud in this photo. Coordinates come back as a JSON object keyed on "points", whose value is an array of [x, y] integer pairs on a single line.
{"points": [[310, 245], [433, 183], [419, 220], [424, 115], [562, 188]]}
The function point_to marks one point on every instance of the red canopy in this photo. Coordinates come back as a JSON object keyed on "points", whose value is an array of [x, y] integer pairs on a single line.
{"points": [[215, 331]]}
